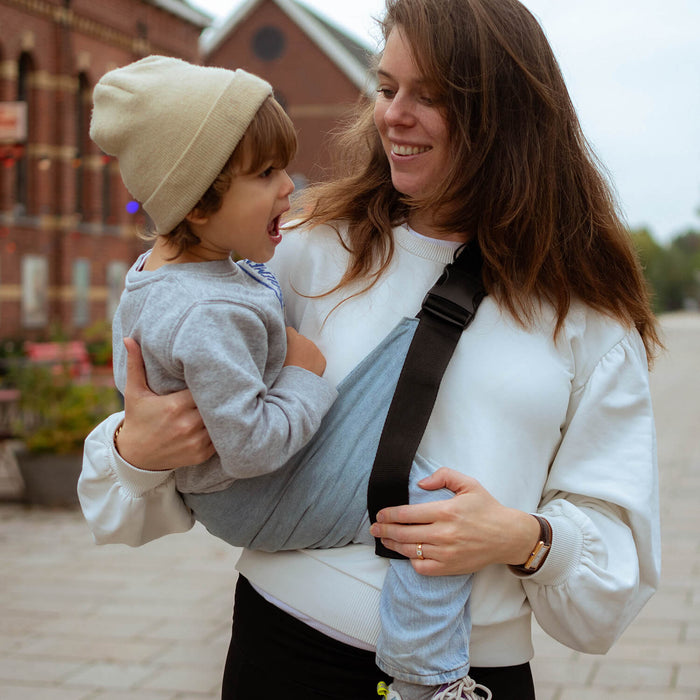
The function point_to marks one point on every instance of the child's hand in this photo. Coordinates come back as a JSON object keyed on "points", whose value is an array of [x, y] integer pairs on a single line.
{"points": [[302, 352]]}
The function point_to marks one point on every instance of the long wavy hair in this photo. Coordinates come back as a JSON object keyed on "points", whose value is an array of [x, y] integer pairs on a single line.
{"points": [[522, 178]]}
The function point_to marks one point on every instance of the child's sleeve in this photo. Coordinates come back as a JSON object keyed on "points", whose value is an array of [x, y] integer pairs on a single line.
{"points": [[257, 416]]}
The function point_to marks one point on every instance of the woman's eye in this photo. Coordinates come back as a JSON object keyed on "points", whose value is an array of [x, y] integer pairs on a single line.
{"points": [[386, 93], [428, 99]]}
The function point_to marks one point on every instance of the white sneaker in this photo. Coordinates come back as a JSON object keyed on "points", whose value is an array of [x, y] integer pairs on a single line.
{"points": [[387, 691], [463, 689]]}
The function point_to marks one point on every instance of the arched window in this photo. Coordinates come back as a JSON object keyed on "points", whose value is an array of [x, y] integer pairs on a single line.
{"points": [[22, 168], [82, 144], [4, 154]]}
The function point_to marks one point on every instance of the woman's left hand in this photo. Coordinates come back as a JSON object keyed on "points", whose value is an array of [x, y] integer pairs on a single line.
{"points": [[459, 535]]}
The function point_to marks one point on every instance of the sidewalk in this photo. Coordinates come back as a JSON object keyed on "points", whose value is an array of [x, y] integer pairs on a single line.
{"points": [[81, 622]]}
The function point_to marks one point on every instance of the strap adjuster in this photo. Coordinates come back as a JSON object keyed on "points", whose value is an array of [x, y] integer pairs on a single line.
{"points": [[448, 311], [453, 305]]}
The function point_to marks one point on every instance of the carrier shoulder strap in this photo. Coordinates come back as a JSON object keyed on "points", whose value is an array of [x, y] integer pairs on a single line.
{"points": [[447, 310]]}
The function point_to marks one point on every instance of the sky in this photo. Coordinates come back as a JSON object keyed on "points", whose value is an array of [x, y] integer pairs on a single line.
{"points": [[633, 70]]}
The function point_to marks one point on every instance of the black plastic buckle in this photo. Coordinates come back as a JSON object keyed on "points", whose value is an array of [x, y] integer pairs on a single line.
{"points": [[443, 300], [446, 310]]}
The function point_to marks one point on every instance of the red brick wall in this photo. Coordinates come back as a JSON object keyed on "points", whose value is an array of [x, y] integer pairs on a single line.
{"points": [[89, 39], [316, 92]]}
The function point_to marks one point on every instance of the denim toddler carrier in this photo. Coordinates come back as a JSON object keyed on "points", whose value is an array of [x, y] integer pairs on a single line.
{"points": [[320, 497]]}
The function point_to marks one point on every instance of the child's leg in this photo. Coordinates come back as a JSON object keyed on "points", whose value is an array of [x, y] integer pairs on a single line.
{"points": [[426, 621]]}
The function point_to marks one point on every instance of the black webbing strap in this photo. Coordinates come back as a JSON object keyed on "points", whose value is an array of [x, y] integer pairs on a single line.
{"points": [[447, 310]]}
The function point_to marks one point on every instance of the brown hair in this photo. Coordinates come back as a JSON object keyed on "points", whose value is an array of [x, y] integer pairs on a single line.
{"points": [[270, 139], [523, 178]]}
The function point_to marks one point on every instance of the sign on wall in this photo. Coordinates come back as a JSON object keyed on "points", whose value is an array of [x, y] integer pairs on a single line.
{"points": [[13, 122]]}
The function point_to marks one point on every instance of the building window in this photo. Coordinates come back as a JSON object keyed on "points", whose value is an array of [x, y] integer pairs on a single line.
{"points": [[269, 43], [22, 167], [81, 292], [35, 291], [82, 120], [116, 275]]}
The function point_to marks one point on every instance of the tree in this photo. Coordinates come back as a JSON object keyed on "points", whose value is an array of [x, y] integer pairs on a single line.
{"points": [[685, 250], [673, 271]]}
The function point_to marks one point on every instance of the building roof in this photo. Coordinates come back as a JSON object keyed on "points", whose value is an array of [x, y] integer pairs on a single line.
{"points": [[185, 11], [349, 55]]}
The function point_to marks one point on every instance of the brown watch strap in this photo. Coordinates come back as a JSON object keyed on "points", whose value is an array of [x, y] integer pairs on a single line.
{"points": [[539, 553]]}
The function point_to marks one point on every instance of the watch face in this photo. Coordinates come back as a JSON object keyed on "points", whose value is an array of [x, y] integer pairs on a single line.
{"points": [[537, 556]]}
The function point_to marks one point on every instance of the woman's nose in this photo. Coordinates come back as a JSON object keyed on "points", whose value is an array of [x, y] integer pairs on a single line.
{"points": [[398, 112]]}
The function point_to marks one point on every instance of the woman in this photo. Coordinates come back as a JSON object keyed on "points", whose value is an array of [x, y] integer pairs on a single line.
{"points": [[545, 405]]}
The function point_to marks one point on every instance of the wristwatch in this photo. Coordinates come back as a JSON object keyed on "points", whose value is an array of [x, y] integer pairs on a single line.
{"points": [[116, 432], [539, 553]]}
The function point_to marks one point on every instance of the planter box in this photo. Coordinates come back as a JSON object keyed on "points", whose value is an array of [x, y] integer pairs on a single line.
{"points": [[50, 479]]}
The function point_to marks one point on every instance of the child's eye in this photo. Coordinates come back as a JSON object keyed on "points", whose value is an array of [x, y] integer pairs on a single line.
{"points": [[267, 172]]}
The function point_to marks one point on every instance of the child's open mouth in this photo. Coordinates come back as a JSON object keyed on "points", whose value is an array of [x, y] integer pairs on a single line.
{"points": [[273, 230]]}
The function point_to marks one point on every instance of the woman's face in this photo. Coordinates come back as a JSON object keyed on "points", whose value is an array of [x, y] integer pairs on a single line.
{"points": [[412, 127]]}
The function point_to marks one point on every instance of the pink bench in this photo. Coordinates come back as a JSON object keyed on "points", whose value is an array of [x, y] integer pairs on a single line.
{"points": [[73, 353]]}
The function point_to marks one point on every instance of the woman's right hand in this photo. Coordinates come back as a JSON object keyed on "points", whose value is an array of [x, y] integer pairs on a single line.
{"points": [[458, 535], [159, 432]]}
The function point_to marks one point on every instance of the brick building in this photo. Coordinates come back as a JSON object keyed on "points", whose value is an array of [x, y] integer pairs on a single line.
{"points": [[67, 236], [318, 72]]}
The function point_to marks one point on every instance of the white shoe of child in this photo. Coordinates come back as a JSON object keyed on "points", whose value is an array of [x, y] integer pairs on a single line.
{"points": [[463, 689], [386, 691]]}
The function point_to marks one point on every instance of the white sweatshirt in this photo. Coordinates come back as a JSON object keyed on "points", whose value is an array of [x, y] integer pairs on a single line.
{"points": [[562, 428]]}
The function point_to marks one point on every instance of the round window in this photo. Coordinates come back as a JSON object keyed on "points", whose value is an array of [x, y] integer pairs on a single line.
{"points": [[269, 43]]}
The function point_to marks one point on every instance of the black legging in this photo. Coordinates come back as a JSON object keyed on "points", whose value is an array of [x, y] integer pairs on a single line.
{"points": [[274, 654]]}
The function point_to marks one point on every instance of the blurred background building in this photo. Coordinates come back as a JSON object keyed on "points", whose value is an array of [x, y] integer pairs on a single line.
{"points": [[67, 224]]}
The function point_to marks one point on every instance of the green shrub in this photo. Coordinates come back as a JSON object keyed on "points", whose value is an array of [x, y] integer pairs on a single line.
{"points": [[56, 414]]}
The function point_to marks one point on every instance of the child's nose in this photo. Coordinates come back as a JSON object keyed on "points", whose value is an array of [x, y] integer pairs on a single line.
{"points": [[287, 185]]}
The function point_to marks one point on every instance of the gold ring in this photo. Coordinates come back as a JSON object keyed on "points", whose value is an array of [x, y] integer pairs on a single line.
{"points": [[419, 550]]}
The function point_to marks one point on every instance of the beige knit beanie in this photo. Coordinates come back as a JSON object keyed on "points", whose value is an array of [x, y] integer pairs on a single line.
{"points": [[172, 126]]}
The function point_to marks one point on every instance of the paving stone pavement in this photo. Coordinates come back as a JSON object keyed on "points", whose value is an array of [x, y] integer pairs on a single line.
{"points": [[81, 622]]}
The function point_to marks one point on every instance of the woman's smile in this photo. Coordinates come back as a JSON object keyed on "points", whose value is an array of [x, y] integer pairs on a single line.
{"points": [[401, 150]]}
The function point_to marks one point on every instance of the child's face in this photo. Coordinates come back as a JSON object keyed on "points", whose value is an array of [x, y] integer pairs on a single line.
{"points": [[248, 222]]}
